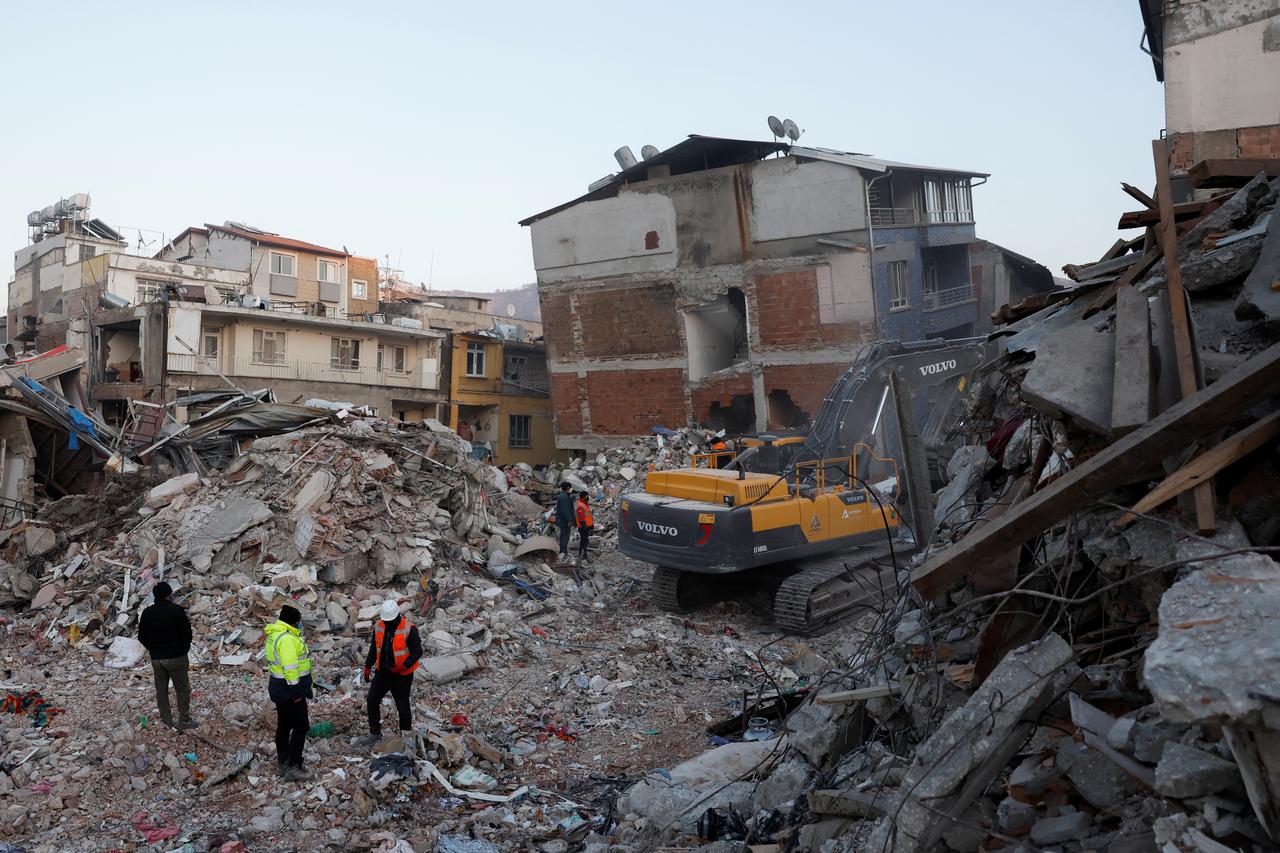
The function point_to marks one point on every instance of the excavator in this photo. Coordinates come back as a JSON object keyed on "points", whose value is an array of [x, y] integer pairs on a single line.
{"points": [[816, 508]]}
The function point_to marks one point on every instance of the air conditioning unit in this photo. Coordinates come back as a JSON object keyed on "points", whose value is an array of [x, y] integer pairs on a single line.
{"points": [[253, 300], [378, 318]]}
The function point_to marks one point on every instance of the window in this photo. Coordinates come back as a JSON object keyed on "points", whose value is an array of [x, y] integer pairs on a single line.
{"points": [[210, 341], [268, 346], [87, 252], [359, 289], [930, 278], [898, 285], [327, 272], [344, 353], [150, 290], [392, 358], [230, 295], [521, 433], [475, 359], [947, 200], [282, 264]]}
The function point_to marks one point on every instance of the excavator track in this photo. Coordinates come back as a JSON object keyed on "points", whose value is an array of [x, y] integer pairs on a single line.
{"points": [[677, 591], [821, 596]]}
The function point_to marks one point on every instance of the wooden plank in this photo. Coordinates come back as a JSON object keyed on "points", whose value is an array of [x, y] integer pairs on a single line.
{"points": [[1185, 358], [1125, 461], [1118, 248], [1138, 195], [1132, 274], [1143, 218], [1232, 173], [1131, 389], [1206, 465]]}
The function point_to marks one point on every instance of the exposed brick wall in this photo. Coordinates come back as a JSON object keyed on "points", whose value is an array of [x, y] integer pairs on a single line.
{"points": [[721, 391], [366, 270], [1227, 144], [1259, 141], [566, 398], [787, 308], [629, 402], [557, 326], [632, 321], [805, 384]]}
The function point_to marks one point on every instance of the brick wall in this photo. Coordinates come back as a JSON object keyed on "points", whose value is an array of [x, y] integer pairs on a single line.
{"points": [[806, 384], [1229, 144], [366, 270], [557, 326], [629, 402], [721, 391], [634, 321], [787, 308], [566, 397]]}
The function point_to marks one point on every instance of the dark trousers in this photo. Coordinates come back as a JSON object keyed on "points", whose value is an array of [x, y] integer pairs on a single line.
{"points": [[398, 686], [292, 724], [175, 670], [584, 533], [565, 531]]}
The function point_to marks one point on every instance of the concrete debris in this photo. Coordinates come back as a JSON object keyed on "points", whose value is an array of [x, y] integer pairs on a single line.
{"points": [[1185, 771]]}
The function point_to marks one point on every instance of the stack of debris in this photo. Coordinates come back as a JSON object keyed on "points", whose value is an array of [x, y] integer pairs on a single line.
{"points": [[1084, 657]]}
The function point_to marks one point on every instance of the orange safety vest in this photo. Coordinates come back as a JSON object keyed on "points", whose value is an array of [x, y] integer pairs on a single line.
{"points": [[718, 444], [584, 515], [399, 646]]}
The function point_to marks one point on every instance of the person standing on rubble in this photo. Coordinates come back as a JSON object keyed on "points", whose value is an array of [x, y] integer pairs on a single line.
{"points": [[585, 524], [394, 652], [464, 431], [165, 631], [564, 518], [289, 686]]}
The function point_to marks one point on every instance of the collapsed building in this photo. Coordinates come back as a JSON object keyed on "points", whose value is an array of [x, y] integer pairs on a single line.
{"points": [[727, 282]]}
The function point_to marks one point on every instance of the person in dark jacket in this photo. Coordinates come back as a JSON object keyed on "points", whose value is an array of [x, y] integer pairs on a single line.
{"points": [[394, 652], [565, 515], [165, 631], [289, 688]]}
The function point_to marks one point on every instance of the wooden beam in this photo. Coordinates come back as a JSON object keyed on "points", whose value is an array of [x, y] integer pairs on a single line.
{"points": [[1138, 195], [1206, 465], [1184, 357], [1127, 460], [1232, 173], [1118, 248], [1132, 274], [1143, 218]]}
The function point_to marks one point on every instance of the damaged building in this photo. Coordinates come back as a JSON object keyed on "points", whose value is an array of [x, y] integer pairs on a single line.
{"points": [[727, 282]]}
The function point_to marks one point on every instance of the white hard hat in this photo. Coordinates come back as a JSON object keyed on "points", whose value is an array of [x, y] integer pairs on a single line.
{"points": [[390, 610]]}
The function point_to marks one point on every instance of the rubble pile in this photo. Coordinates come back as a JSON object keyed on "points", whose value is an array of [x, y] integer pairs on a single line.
{"points": [[1080, 659]]}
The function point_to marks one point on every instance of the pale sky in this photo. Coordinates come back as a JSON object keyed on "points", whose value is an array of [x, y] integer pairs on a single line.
{"points": [[424, 131]]}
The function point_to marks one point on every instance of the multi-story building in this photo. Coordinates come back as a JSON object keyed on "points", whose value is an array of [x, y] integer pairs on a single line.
{"points": [[498, 386], [728, 282], [1220, 65]]}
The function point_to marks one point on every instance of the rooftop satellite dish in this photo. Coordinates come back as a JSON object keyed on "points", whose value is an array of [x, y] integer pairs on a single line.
{"points": [[511, 310], [791, 131], [776, 127], [648, 152]]}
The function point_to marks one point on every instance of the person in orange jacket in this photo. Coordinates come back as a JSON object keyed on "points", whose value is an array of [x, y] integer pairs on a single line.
{"points": [[582, 511], [394, 652]]}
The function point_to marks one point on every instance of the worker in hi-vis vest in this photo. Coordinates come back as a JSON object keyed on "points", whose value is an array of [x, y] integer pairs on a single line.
{"points": [[289, 686], [394, 652]]}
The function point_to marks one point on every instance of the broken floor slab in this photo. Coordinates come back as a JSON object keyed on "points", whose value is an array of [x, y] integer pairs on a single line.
{"points": [[1073, 375]]}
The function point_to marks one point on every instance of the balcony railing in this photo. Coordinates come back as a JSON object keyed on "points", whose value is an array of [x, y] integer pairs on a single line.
{"points": [[282, 367], [888, 217], [935, 299]]}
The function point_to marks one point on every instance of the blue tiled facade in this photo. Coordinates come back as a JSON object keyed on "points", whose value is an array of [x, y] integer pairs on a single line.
{"points": [[910, 244]]}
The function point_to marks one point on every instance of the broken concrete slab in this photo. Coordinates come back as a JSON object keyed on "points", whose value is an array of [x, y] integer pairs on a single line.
{"points": [[784, 784], [235, 517], [1073, 375], [537, 544], [1132, 386], [1055, 830], [314, 492], [1185, 771], [1260, 296], [163, 494], [39, 541], [446, 668], [967, 466]]}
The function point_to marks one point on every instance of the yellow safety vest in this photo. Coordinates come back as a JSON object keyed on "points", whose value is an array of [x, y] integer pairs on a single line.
{"points": [[287, 655]]}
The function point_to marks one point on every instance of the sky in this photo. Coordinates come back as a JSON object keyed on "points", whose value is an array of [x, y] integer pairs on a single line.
{"points": [[420, 133]]}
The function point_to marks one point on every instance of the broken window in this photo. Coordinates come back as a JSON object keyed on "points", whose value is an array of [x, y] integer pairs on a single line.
{"points": [[475, 359], [716, 334], [344, 353], [898, 294], [268, 346], [521, 431]]}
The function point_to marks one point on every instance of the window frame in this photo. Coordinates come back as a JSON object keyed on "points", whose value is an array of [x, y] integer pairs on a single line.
{"points": [[320, 264], [383, 362], [293, 263], [335, 360], [279, 342], [524, 443], [476, 355], [364, 289], [214, 333], [899, 282]]}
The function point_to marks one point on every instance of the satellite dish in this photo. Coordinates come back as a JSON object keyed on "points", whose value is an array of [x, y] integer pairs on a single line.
{"points": [[776, 126], [511, 310], [791, 131], [648, 152]]}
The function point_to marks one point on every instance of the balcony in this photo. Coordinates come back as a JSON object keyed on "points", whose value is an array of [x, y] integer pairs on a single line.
{"points": [[935, 300], [281, 367], [893, 217]]}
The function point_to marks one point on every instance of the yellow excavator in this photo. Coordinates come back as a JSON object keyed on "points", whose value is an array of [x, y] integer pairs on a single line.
{"points": [[799, 503]]}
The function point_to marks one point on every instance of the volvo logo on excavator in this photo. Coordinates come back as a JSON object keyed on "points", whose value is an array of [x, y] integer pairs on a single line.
{"points": [[938, 367], [656, 529]]}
